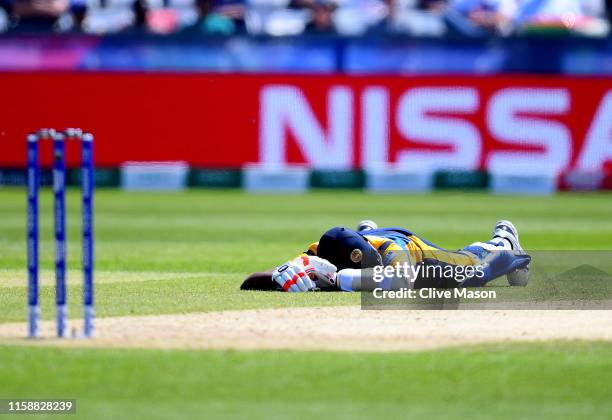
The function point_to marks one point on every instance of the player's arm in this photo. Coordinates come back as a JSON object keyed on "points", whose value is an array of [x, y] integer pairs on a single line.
{"points": [[304, 273], [368, 279], [289, 277]]}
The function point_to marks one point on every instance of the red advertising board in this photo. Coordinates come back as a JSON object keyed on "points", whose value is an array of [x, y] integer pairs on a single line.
{"points": [[323, 121]]}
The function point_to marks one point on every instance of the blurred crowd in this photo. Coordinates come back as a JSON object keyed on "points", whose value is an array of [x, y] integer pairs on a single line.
{"points": [[293, 17]]}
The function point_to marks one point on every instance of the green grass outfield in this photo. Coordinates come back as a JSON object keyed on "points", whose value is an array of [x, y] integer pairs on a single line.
{"points": [[188, 252], [537, 381]]}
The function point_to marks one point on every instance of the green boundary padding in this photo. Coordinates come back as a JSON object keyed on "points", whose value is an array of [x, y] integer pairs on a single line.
{"points": [[337, 179], [462, 180], [232, 178], [215, 178], [104, 177], [17, 177]]}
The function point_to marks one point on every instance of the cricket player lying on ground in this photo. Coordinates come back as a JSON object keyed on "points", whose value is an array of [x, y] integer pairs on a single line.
{"points": [[349, 260]]}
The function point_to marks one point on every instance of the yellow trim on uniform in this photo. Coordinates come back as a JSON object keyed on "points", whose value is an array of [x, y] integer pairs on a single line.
{"points": [[416, 251], [313, 248], [448, 257], [395, 252]]}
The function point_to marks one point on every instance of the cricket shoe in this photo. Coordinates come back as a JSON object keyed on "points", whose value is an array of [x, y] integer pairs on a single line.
{"points": [[366, 225], [506, 230]]}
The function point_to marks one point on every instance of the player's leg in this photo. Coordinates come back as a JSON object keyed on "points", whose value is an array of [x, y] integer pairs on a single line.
{"points": [[503, 255], [505, 239], [506, 231], [505, 236]]}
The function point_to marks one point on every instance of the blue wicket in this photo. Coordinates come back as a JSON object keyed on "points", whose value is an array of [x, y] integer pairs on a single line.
{"points": [[33, 185], [87, 188], [59, 194]]}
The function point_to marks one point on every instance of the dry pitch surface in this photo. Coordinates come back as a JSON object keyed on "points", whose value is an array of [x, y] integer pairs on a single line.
{"points": [[331, 328]]}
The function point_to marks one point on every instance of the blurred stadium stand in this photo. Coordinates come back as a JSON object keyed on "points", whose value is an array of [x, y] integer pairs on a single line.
{"points": [[166, 69], [293, 17]]}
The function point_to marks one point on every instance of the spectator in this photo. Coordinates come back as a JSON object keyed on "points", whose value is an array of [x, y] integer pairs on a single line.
{"points": [[482, 17], [211, 22], [4, 15], [231, 9], [322, 21], [301, 4], [79, 11], [548, 11], [432, 5], [575, 15], [322, 18], [38, 15], [139, 8]]}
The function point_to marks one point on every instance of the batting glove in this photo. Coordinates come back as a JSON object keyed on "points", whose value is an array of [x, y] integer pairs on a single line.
{"points": [[292, 277], [320, 270]]}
